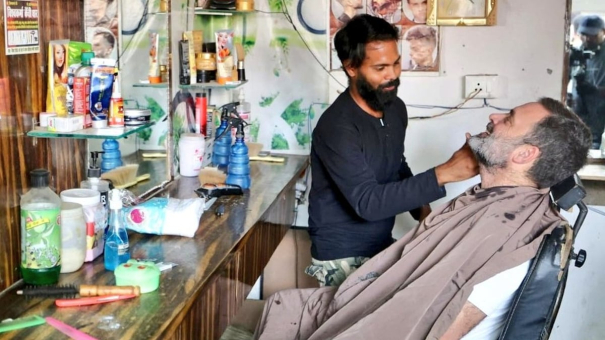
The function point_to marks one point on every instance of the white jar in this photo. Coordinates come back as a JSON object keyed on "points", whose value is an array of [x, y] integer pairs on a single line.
{"points": [[73, 237], [191, 154], [95, 216]]}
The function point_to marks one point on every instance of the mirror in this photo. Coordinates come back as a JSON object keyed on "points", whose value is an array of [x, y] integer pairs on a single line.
{"points": [[584, 78], [127, 31]]}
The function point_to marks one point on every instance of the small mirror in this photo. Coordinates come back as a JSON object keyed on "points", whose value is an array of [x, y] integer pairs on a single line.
{"points": [[584, 78]]}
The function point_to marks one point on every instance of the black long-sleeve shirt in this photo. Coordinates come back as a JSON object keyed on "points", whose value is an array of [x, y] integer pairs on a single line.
{"points": [[361, 180]]}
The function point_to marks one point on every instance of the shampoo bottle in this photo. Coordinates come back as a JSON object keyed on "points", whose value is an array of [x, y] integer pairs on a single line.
{"points": [[95, 182], [238, 172], [116, 243], [40, 232], [222, 143], [185, 77], [82, 88], [116, 105]]}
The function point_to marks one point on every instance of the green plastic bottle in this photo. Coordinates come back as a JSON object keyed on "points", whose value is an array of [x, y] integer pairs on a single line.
{"points": [[40, 231]]}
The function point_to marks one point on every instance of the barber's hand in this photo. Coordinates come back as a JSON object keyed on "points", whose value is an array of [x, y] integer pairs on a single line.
{"points": [[585, 88], [462, 165], [425, 210]]}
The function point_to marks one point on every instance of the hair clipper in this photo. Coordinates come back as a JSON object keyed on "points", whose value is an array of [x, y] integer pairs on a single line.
{"points": [[209, 190]]}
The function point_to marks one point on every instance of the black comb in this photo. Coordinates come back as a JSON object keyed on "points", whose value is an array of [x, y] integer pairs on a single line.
{"points": [[48, 291]]}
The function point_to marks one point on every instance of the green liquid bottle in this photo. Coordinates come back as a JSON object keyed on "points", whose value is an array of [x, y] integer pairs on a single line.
{"points": [[40, 231]]}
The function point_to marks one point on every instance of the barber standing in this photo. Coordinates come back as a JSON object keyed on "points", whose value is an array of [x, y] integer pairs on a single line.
{"points": [[589, 92], [361, 180]]}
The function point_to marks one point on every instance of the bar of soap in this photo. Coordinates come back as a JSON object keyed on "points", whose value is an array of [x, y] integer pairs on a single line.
{"points": [[138, 273]]}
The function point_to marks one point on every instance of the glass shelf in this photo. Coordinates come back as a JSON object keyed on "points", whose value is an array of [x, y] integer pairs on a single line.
{"points": [[213, 85], [157, 86], [207, 11], [105, 133]]}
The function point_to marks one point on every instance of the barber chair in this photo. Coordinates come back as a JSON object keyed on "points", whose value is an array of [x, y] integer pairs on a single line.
{"points": [[536, 304]]}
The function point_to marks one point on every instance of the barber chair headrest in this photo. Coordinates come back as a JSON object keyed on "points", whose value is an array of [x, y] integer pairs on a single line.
{"points": [[568, 192]]}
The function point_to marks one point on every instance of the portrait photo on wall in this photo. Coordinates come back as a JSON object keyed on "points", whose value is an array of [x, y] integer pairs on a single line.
{"points": [[102, 27], [341, 11], [420, 50]]}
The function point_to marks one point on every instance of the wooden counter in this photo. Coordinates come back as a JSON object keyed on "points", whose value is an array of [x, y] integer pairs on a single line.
{"points": [[198, 298]]}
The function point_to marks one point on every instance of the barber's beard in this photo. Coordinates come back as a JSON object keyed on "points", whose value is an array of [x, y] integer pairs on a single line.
{"points": [[492, 152], [377, 98]]}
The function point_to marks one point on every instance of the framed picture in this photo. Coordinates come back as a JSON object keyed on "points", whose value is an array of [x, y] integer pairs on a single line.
{"points": [[420, 49], [461, 12]]}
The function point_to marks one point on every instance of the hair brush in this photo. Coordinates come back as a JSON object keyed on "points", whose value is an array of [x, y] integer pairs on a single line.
{"points": [[83, 290]]}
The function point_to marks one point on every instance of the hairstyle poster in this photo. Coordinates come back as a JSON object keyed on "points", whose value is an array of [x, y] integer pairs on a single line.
{"points": [[418, 44]]}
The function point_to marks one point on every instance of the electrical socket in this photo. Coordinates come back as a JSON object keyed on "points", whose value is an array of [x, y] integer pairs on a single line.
{"points": [[484, 83]]}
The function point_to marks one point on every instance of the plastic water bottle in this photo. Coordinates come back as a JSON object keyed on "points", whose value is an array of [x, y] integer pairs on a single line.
{"points": [[222, 146], [112, 157], [40, 231], [238, 172], [116, 244]]}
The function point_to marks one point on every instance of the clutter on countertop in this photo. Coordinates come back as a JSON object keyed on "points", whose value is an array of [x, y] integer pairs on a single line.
{"points": [[83, 290], [210, 175], [165, 216], [138, 273], [125, 176], [117, 248], [40, 231], [24, 322], [95, 216]]}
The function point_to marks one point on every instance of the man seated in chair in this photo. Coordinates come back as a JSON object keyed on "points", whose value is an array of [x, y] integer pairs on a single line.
{"points": [[455, 274]]}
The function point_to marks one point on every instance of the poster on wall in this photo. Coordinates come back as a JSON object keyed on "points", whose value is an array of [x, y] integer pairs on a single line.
{"points": [[21, 27], [101, 27], [419, 50], [418, 43]]}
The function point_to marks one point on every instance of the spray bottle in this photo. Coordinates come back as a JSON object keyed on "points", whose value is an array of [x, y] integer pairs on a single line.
{"points": [[238, 172], [243, 111], [116, 244], [222, 142]]}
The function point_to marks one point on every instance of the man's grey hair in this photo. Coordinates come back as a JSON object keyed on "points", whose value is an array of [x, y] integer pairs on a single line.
{"points": [[563, 140]]}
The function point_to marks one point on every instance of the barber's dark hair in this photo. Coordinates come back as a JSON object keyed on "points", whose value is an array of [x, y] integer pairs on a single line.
{"points": [[563, 140], [350, 42]]}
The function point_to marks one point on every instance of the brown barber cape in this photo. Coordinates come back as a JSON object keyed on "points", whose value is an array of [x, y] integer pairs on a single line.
{"points": [[415, 288]]}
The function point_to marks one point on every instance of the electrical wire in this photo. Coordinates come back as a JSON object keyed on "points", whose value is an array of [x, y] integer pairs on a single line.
{"points": [[419, 106], [451, 110]]}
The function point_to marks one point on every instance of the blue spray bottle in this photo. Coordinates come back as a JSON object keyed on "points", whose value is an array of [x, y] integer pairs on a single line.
{"points": [[222, 142], [238, 172], [116, 241]]}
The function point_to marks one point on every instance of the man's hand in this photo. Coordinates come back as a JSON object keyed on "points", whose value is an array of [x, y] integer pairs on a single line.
{"points": [[425, 210], [462, 165]]}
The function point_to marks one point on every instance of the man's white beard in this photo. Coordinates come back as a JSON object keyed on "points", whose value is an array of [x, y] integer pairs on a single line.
{"points": [[492, 152]]}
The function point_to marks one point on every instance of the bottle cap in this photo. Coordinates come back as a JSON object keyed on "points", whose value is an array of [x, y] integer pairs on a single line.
{"points": [[87, 57], [115, 201], [93, 172], [39, 178]]}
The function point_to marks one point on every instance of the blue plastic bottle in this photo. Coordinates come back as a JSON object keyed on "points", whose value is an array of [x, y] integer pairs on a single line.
{"points": [[238, 172], [112, 157], [222, 145], [116, 242]]}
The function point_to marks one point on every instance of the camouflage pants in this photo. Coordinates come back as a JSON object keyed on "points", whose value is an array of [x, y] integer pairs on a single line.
{"points": [[334, 272]]}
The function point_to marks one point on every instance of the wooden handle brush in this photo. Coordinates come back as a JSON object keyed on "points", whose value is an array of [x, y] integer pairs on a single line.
{"points": [[124, 176], [83, 290]]}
